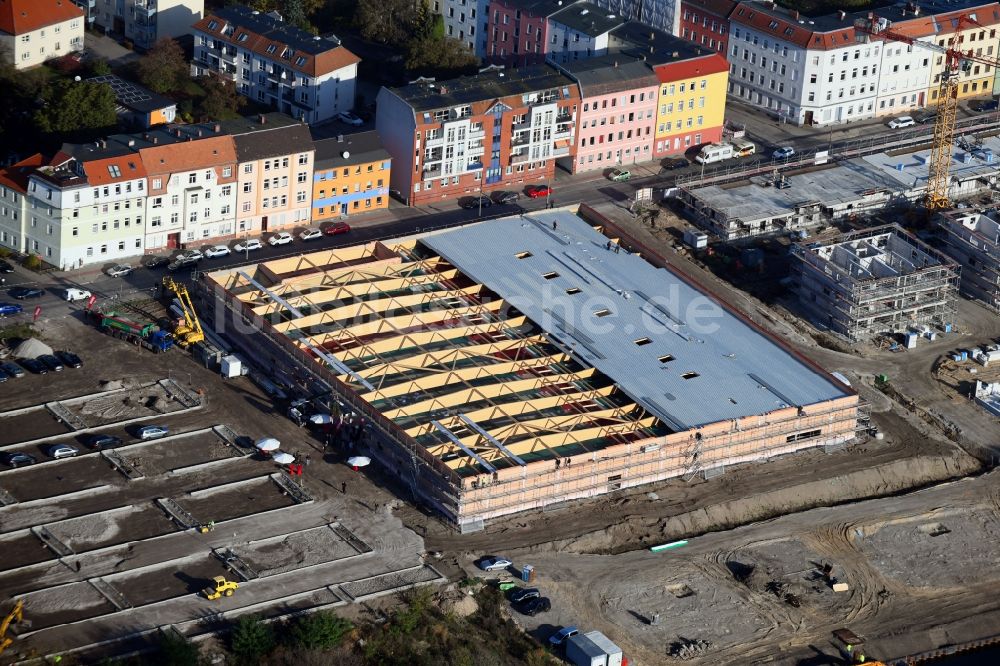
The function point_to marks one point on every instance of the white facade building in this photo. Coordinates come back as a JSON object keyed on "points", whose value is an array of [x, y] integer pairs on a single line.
{"points": [[579, 31], [143, 22], [33, 31], [465, 20], [306, 77], [904, 78]]}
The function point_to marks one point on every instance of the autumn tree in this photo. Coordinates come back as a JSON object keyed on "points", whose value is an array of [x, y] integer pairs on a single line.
{"points": [[221, 99], [164, 68]]}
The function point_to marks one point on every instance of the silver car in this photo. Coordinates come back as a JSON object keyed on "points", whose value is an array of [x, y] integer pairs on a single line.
{"points": [[59, 451], [152, 432]]}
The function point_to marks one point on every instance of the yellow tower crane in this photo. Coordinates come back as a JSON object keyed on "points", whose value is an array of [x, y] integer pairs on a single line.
{"points": [[956, 62], [190, 332], [15, 616]]}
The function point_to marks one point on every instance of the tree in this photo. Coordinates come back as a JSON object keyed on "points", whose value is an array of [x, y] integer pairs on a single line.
{"points": [[99, 67], [322, 629], [71, 107], [175, 650], [444, 56], [164, 68], [387, 21], [295, 14], [252, 639], [221, 100]]}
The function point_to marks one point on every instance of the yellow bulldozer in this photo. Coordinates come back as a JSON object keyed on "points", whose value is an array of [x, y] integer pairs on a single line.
{"points": [[219, 587]]}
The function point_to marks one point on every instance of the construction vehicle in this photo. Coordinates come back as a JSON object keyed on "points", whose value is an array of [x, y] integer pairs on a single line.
{"points": [[15, 616], [956, 63], [189, 332], [219, 587], [146, 335]]}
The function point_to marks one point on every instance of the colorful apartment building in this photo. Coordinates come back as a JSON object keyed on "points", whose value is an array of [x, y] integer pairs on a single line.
{"points": [[706, 22], [351, 176], [692, 104], [275, 157], [516, 31], [33, 31], [618, 109], [492, 131]]}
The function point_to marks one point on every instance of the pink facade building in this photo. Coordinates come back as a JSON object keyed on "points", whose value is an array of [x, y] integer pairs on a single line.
{"points": [[516, 32], [617, 120]]}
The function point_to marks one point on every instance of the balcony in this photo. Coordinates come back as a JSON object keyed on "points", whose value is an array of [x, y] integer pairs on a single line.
{"points": [[433, 172], [435, 141], [474, 166], [520, 158], [561, 152]]}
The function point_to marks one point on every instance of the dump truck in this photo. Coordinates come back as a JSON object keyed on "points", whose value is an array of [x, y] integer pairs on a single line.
{"points": [[141, 334], [219, 587]]}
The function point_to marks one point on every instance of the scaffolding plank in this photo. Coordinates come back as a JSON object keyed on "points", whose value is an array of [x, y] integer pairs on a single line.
{"points": [[177, 512], [296, 491], [457, 442]]}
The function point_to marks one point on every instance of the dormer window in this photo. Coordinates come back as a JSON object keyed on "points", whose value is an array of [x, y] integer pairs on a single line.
{"points": [[212, 25], [300, 61], [114, 171], [242, 37], [271, 48]]}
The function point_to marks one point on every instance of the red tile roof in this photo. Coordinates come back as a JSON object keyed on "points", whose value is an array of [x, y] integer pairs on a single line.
{"points": [[713, 63], [16, 175], [99, 172], [189, 155], [21, 16]]}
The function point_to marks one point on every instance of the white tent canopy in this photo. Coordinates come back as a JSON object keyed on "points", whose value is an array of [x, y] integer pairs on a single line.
{"points": [[283, 458], [267, 444]]}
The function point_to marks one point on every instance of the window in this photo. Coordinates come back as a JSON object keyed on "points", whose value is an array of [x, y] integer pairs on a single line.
{"points": [[690, 375], [227, 172], [523, 255], [603, 312], [192, 178], [643, 342], [248, 168], [114, 171]]}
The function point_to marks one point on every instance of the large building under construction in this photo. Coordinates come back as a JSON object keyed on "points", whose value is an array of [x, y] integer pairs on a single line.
{"points": [[876, 281], [973, 240], [523, 362]]}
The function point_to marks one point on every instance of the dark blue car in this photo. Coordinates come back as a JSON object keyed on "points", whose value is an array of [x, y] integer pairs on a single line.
{"points": [[7, 309]]}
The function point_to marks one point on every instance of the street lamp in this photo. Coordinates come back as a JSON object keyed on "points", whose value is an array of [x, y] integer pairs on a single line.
{"points": [[246, 243]]}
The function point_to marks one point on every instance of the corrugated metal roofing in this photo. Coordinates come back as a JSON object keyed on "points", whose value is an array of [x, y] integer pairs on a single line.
{"points": [[653, 328]]}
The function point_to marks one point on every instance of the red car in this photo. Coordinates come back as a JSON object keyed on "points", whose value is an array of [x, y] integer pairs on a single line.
{"points": [[536, 191], [337, 228]]}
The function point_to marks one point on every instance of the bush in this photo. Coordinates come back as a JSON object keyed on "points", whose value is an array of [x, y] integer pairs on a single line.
{"points": [[175, 650], [251, 640], [322, 629], [32, 262]]}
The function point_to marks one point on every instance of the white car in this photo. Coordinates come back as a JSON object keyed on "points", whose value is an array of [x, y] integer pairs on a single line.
{"points": [[191, 255], [311, 233], [121, 270], [248, 245], [902, 121], [493, 562], [216, 251], [783, 153], [280, 238], [349, 118], [74, 294]]}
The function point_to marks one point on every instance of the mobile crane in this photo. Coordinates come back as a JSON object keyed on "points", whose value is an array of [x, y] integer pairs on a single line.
{"points": [[190, 332], [956, 63], [15, 616]]}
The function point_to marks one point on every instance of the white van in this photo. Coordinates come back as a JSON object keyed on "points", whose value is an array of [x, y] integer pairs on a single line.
{"points": [[714, 152], [743, 148]]}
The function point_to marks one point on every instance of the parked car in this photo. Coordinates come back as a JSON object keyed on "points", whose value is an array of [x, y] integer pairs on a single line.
{"points": [[523, 594], [17, 459], [493, 562], [120, 270], [156, 262], [926, 118], [182, 261], [902, 121], [5, 266], [983, 105], [12, 369], [59, 451], [471, 203], [216, 251], [536, 191], [672, 163], [620, 175], [152, 431], [69, 359], [98, 442], [280, 238], [312, 233], [563, 635], [534, 606], [73, 294], [783, 153], [51, 362], [505, 197], [7, 309], [349, 118], [337, 228], [191, 255], [3, 377], [248, 245], [35, 366], [22, 293]]}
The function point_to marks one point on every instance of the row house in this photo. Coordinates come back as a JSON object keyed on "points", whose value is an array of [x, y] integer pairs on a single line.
{"points": [[465, 21], [491, 131], [33, 31], [822, 70], [351, 176], [144, 22], [301, 75], [274, 179], [516, 31], [706, 23], [578, 31], [13, 202], [617, 118]]}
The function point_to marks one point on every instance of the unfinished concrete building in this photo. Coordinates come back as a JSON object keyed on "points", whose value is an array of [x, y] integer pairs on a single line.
{"points": [[875, 281], [973, 240], [523, 362]]}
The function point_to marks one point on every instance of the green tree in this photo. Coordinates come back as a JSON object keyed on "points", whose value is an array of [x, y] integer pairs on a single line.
{"points": [[387, 21], [99, 67], [252, 640], [164, 68], [295, 14], [322, 629], [175, 650], [221, 100], [443, 56], [71, 107]]}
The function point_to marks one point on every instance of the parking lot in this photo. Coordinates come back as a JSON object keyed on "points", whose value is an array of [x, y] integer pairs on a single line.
{"points": [[110, 543]]}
